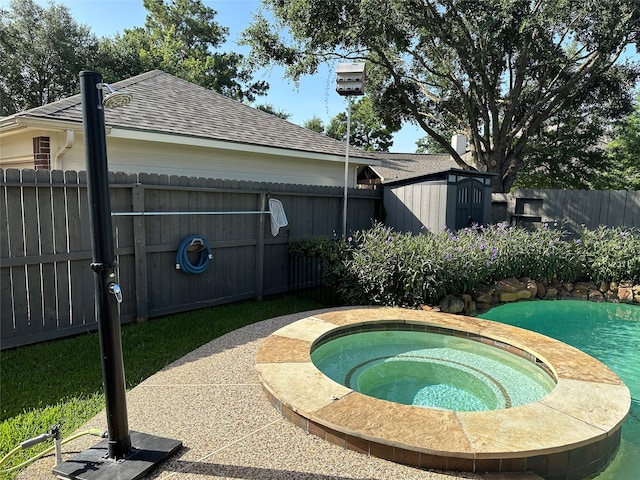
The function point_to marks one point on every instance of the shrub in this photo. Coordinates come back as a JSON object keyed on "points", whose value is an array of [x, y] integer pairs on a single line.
{"points": [[385, 267], [331, 251], [611, 254]]}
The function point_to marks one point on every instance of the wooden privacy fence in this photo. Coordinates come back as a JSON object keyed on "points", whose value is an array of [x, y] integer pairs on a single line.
{"points": [[46, 284], [573, 208]]}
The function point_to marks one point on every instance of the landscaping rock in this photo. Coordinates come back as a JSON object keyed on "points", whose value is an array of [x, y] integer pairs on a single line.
{"points": [[452, 304], [625, 292], [611, 297], [532, 287], [507, 297], [484, 298], [511, 285], [471, 309], [636, 293], [580, 291], [484, 288], [515, 296], [563, 293], [595, 295], [468, 300]]}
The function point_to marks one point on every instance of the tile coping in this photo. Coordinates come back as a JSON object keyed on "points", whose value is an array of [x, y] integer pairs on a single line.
{"points": [[581, 416]]}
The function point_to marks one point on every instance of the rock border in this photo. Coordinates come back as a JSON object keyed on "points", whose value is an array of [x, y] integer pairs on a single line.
{"points": [[486, 296]]}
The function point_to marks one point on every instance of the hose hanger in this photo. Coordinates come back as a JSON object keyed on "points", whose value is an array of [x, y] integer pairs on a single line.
{"points": [[194, 245]]}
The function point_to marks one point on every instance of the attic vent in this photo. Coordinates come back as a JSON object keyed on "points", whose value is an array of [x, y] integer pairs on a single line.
{"points": [[41, 153]]}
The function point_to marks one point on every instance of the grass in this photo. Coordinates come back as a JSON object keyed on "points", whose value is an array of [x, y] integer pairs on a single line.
{"points": [[61, 381]]}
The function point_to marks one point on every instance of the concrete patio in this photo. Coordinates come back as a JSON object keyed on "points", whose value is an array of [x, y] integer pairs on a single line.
{"points": [[212, 400]]}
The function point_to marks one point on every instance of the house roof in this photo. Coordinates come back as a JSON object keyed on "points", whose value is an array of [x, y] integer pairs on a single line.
{"points": [[163, 103], [403, 166]]}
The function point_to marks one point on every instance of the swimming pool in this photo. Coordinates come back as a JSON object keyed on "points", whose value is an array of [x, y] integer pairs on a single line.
{"points": [[431, 370], [607, 331]]}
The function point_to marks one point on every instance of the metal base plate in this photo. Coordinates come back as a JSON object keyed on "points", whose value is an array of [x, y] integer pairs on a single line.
{"points": [[147, 451]]}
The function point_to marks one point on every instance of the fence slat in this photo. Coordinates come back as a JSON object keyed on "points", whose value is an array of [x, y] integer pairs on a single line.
{"points": [[47, 246]]}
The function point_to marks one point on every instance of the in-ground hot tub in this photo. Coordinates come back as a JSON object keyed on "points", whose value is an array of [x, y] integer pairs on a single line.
{"points": [[429, 367], [573, 431]]}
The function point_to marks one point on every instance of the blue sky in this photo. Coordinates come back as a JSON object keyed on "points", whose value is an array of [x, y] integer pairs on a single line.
{"points": [[315, 95]]}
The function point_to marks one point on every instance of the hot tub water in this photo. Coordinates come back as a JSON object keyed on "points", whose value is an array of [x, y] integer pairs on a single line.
{"points": [[431, 370]]}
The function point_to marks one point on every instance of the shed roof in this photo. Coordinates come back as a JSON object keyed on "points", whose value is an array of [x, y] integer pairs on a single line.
{"points": [[403, 166], [163, 103]]}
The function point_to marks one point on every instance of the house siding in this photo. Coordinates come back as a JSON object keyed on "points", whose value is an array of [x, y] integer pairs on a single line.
{"points": [[134, 156]]}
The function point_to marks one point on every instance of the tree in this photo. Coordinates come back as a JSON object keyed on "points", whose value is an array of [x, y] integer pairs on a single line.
{"points": [[624, 154], [568, 151], [494, 70], [428, 144], [315, 124], [41, 52], [180, 37], [267, 107], [367, 131]]}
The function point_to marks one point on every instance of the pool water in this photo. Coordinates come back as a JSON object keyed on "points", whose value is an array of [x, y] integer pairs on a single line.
{"points": [[431, 370], [607, 331]]}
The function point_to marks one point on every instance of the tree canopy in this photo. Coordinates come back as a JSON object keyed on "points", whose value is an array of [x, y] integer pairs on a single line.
{"points": [[41, 52], [367, 131], [624, 154], [569, 148], [498, 71], [180, 37]]}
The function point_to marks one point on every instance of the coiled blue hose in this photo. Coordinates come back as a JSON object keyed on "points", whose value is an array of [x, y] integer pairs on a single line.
{"points": [[182, 258]]}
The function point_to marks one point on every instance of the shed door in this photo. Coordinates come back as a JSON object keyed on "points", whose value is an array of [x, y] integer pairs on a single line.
{"points": [[469, 203]]}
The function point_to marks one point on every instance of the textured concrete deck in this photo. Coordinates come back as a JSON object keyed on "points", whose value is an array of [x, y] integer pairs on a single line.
{"points": [[212, 400]]}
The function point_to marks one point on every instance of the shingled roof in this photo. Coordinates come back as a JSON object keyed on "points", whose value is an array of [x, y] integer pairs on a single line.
{"points": [[403, 166], [163, 103]]}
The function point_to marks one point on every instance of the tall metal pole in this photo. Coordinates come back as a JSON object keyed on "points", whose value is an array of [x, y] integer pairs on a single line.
{"points": [[346, 171], [107, 291]]}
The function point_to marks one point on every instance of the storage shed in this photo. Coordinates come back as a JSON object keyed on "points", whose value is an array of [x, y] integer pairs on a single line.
{"points": [[429, 191]]}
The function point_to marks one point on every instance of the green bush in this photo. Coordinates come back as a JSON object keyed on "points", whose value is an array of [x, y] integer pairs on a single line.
{"points": [[383, 267], [611, 254]]}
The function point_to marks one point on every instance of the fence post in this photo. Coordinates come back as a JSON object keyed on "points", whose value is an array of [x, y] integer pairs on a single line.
{"points": [[140, 253], [260, 247]]}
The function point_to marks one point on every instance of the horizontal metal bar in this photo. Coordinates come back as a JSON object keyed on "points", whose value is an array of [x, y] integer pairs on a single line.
{"points": [[146, 214]]}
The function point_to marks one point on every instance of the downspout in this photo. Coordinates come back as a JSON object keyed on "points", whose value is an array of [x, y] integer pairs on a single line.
{"points": [[62, 152]]}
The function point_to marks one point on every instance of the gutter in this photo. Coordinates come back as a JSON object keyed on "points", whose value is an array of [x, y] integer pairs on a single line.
{"points": [[68, 144]]}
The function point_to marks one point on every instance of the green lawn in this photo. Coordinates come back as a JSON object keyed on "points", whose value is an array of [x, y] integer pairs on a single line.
{"points": [[61, 381]]}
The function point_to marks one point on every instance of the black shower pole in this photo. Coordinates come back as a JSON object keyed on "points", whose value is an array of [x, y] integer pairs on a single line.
{"points": [[107, 290]]}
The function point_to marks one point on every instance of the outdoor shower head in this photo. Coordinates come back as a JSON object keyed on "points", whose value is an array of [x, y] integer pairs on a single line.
{"points": [[115, 98]]}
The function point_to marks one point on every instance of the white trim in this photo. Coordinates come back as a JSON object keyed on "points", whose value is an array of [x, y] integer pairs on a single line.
{"points": [[19, 122], [18, 159]]}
